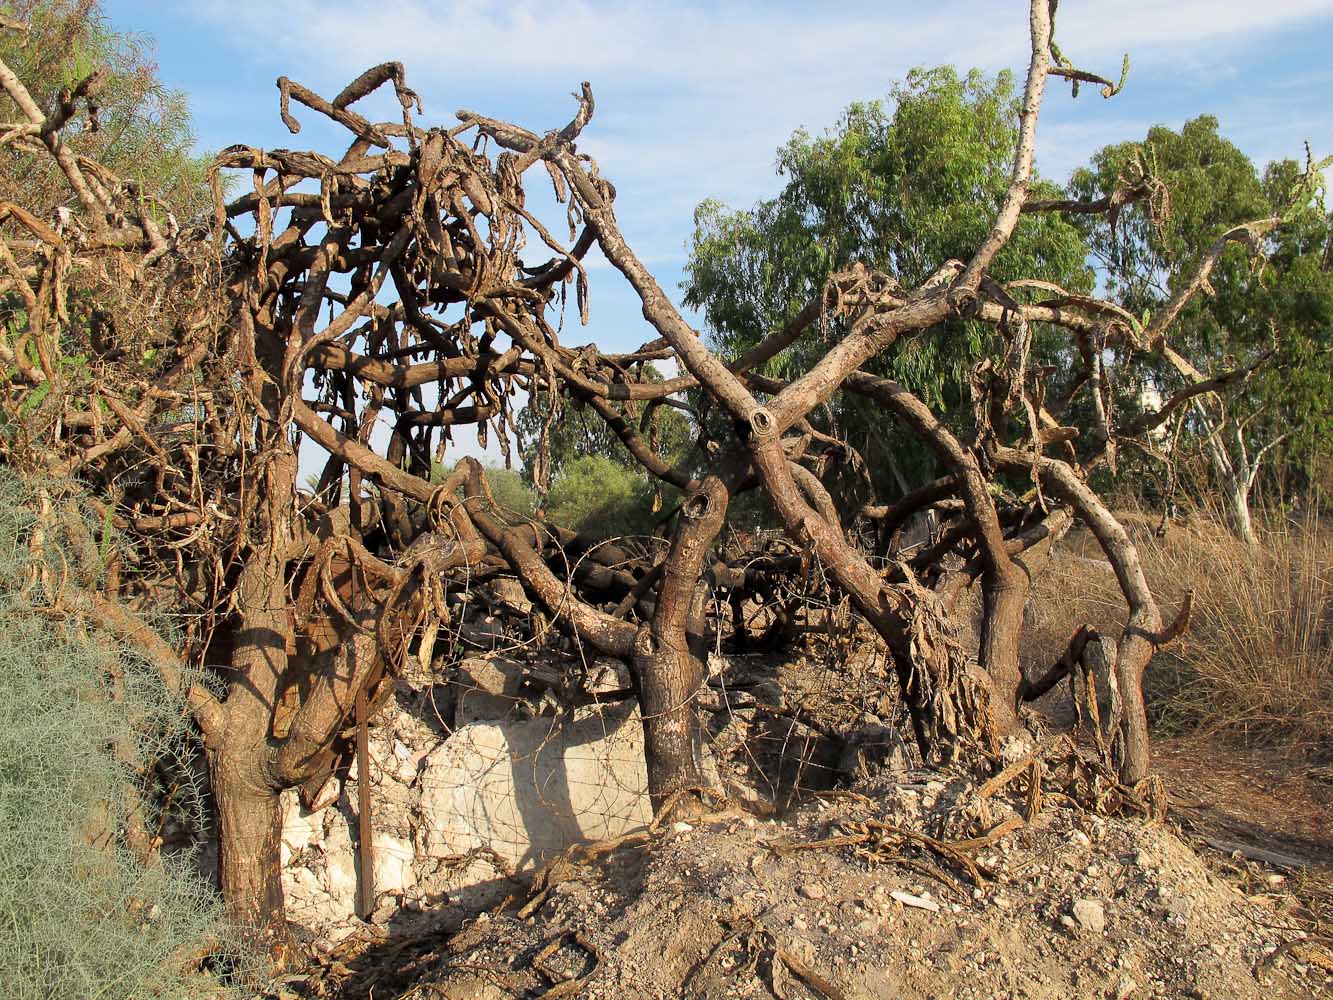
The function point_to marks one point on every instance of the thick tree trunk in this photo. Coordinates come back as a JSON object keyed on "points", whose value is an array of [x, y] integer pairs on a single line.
{"points": [[249, 850], [244, 786], [1004, 595], [668, 681], [1004, 583], [1133, 652], [1142, 632], [669, 671]]}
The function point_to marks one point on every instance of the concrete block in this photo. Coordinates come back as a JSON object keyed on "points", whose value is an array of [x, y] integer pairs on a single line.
{"points": [[487, 688], [530, 789]]}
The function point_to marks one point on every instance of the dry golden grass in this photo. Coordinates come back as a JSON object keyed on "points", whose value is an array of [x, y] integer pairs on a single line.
{"points": [[1257, 663]]}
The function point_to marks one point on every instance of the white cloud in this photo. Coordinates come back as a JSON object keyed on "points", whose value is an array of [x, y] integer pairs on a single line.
{"points": [[699, 89], [704, 47], [694, 98], [1186, 24]]}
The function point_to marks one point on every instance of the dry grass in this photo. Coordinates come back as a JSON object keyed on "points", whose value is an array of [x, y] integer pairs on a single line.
{"points": [[1257, 663]]}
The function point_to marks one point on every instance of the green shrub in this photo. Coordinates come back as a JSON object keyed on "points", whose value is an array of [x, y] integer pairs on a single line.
{"points": [[510, 490], [597, 495], [86, 730]]}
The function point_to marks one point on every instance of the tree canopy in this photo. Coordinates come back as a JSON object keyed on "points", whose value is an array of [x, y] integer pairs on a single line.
{"points": [[1274, 293], [895, 185]]}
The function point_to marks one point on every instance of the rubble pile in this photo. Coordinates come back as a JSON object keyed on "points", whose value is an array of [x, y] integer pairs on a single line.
{"points": [[1069, 904]]}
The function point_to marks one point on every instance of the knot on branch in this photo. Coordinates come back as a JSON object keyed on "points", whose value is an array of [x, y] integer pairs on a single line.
{"points": [[762, 426], [696, 506], [963, 301]]}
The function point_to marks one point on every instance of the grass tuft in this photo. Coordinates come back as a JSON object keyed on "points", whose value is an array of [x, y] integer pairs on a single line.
{"points": [[1257, 663]]}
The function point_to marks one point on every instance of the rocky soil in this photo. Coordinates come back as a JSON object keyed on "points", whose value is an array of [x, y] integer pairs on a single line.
{"points": [[1070, 904], [514, 860]]}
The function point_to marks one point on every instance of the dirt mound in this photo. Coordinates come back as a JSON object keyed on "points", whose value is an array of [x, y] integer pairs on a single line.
{"points": [[882, 892]]}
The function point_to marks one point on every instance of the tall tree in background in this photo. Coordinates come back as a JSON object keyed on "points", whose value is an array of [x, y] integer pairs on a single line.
{"points": [[140, 128], [1272, 291], [896, 186]]}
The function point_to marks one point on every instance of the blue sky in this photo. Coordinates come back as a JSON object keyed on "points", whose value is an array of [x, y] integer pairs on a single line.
{"points": [[694, 98]]}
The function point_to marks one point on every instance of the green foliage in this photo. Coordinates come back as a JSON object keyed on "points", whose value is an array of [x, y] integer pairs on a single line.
{"points": [[511, 491], [1286, 302], [143, 131], [902, 187], [1212, 186], [80, 717], [508, 486], [598, 495], [143, 136], [576, 430], [595, 484]]}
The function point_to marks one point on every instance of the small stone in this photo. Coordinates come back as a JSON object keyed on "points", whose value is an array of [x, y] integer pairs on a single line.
{"points": [[1179, 908], [812, 890], [801, 949], [681, 827], [1090, 915], [920, 903]]}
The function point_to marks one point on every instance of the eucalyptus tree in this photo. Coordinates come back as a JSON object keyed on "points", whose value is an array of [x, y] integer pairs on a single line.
{"points": [[1269, 307], [896, 185]]}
